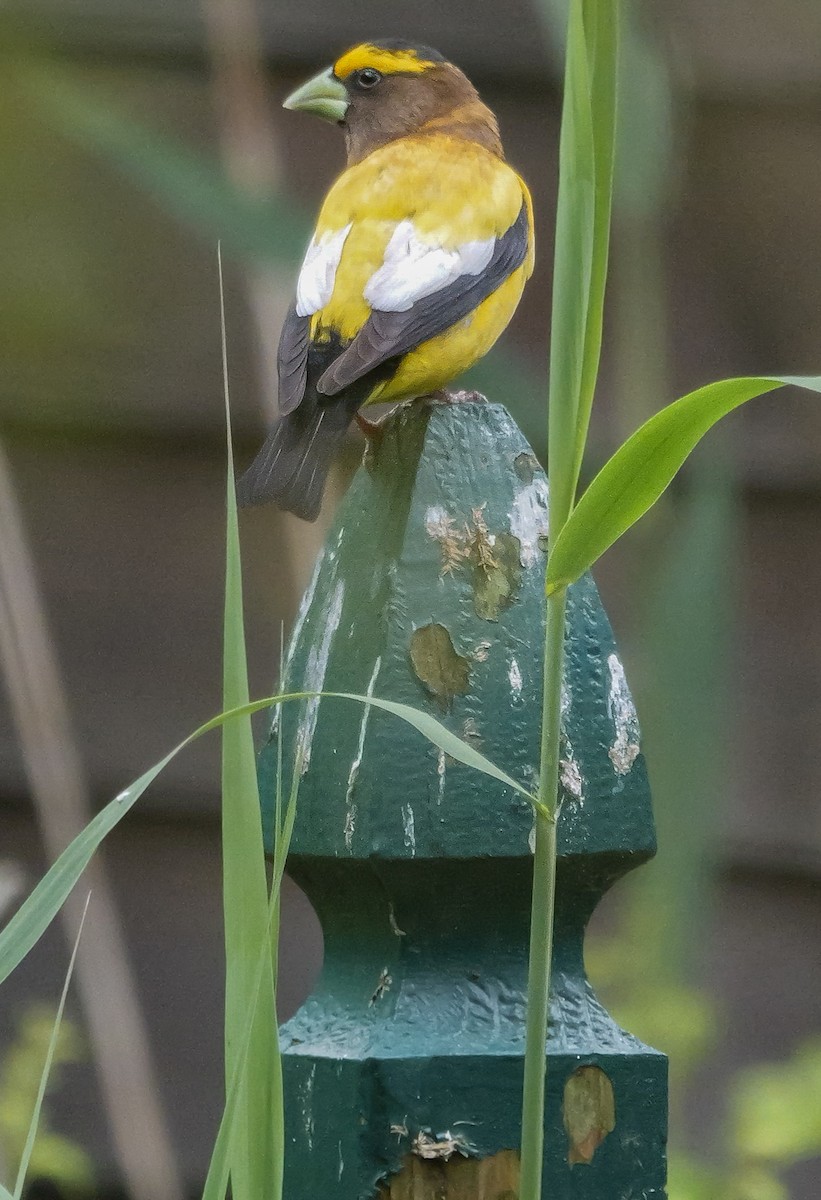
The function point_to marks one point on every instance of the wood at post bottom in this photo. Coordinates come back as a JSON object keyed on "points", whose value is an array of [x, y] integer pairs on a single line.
{"points": [[495, 1178]]}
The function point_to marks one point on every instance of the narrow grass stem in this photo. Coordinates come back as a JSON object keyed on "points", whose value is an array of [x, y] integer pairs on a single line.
{"points": [[542, 906]]}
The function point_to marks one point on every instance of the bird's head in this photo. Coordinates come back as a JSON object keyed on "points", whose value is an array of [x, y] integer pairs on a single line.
{"points": [[387, 89]]}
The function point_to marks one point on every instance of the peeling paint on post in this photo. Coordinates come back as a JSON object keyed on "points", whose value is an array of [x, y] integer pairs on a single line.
{"points": [[412, 1043]]}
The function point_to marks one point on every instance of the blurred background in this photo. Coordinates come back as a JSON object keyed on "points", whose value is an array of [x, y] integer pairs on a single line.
{"points": [[133, 135]]}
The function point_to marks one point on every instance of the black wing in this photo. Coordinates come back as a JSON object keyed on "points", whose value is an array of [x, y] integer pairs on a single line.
{"points": [[389, 335], [292, 360]]}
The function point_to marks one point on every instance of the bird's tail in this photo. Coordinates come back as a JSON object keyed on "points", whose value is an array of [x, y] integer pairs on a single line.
{"points": [[292, 465]]}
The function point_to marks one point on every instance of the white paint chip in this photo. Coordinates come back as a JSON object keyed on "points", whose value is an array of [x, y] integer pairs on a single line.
{"points": [[571, 778], [622, 712], [441, 767], [350, 816], [409, 828], [315, 669], [515, 677], [528, 520], [437, 522]]}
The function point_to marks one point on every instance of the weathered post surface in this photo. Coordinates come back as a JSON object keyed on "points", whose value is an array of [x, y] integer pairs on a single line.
{"points": [[403, 1070]]}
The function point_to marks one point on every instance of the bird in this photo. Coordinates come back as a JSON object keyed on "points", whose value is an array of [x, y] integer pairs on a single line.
{"points": [[420, 254]]}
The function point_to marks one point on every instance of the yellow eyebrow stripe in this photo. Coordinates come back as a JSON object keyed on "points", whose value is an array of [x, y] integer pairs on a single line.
{"points": [[386, 61]]}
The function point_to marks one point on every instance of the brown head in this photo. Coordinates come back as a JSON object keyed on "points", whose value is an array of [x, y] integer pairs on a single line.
{"points": [[383, 90]]}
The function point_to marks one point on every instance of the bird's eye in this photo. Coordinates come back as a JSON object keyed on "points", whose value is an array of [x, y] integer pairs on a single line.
{"points": [[367, 78]]}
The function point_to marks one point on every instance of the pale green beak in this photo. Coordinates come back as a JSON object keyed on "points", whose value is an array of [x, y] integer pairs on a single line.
{"points": [[324, 96]]}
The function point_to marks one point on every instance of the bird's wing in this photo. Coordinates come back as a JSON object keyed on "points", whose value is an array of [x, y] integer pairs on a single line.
{"points": [[292, 360], [408, 243], [420, 291]]}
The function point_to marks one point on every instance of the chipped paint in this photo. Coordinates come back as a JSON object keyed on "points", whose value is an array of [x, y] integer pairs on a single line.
{"points": [[528, 520], [622, 712], [570, 778], [341, 1166], [531, 838], [314, 678], [382, 987], [307, 1105], [438, 665], [437, 522], [515, 677], [440, 526], [481, 651], [443, 1146], [350, 827], [304, 608], [588, 1111], [526, 465], [440, 771], [408, 828], [350, 816], [497, 573], [393, 922]]}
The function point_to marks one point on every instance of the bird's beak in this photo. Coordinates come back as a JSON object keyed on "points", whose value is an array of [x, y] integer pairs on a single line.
{"points": [[324, 96]]}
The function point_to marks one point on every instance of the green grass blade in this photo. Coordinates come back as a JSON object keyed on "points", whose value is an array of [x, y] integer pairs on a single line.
{"points": [[638, 473], [572, 264], [442, 738], [219, 1168], [601, 42], [586, 158], [31, 1136], [41, 906], [245, 889]]}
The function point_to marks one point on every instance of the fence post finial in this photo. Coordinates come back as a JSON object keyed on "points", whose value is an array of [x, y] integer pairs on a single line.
{"points": [[403, 1069]]}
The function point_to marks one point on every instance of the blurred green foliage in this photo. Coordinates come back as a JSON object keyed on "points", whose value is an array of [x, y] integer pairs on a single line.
{"points": [[54, 1156]]}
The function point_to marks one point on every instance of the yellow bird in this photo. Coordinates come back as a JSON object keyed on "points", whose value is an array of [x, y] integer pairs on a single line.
{"points": [[421, 251]]}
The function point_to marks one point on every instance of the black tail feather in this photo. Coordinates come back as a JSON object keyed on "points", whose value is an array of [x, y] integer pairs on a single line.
{"points": [[292, 465]]}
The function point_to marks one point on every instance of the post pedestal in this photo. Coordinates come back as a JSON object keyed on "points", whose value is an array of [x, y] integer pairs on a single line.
{"points": [[403, 1070]]}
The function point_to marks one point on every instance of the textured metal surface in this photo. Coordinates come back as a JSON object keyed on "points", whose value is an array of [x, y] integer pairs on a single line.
{"points": [[430, 591]]}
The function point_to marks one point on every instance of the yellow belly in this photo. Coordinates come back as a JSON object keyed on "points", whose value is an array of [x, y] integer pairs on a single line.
{"points": [[435, 363]]}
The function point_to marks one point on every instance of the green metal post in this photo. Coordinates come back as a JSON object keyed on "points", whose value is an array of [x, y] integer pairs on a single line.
{"points": [[406, 1062]]}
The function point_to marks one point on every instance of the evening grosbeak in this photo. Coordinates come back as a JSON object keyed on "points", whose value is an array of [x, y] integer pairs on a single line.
{"points": [[420, 254]]}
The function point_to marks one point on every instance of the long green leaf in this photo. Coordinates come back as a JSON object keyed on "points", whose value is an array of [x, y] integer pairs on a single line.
{"points": [[601, 33], [586, 156], [633, 479], [441, 737], [572, 265], [31, 1136], [41, 906], [245, 890]]}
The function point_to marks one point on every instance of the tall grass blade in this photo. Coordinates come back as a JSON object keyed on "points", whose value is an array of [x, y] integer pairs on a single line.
{"points": [[572, 264], [586, 154], [219, 1168], [601, 30], [31, 1136], [245, 890], [638, 473]]}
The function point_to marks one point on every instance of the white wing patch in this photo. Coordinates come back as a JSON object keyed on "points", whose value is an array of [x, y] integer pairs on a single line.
{"points": [[413, 268], [315, 285]]}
